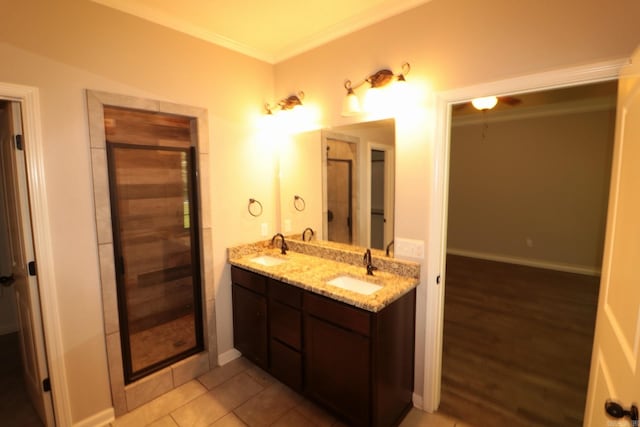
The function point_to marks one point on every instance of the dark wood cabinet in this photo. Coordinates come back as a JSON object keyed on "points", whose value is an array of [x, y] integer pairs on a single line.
{"points": [[338, 369], [357, 364], [250, 333], [285, 327]]}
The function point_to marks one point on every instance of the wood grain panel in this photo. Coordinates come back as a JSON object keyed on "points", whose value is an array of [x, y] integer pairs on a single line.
{"points": [[146, 128]]}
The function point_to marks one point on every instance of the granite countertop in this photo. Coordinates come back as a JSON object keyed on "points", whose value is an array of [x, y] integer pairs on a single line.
{"points": [[312, 273]]}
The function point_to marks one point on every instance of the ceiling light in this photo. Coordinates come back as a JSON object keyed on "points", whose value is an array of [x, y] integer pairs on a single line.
{"points": [[485, 103]]}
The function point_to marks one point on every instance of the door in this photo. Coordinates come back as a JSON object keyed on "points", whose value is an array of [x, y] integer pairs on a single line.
{"points": [[382, 194], [22, 253], [156, 247], [340, 212], [250, 324], [615, 360], [377, 199], [337, 368]]}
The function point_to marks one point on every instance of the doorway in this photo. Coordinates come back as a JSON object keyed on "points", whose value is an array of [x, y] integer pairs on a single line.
{"points": [[341, 190], [378, 220], [526, 216], [25, 392]]}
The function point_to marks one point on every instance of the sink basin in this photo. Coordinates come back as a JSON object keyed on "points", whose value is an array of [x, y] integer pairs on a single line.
{"points": [[356, 285], [268, 261]]}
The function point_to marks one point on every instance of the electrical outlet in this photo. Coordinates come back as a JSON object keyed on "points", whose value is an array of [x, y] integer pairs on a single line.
{"points": [[409, 248], [287, 226], [264, 229], [529, 242]]}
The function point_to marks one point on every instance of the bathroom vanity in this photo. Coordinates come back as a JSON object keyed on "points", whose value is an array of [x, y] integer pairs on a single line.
{"points": [[350, 352]]}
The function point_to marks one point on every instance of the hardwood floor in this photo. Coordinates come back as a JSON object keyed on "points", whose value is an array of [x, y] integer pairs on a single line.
{"points": [[517, 344], [15, 407]]}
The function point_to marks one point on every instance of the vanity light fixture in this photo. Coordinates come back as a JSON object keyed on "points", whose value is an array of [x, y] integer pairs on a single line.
{"points": [[381, 78], [288, 103], [484, 103]]}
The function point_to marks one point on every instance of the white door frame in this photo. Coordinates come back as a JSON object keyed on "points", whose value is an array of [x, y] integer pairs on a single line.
{"points": [[436, 254], [29, 99]]}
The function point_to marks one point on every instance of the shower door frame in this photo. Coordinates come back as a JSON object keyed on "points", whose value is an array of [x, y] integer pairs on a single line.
{"points": [[194, 207]]}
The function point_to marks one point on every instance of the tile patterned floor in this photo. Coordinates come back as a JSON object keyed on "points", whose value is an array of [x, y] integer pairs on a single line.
{"points": [[238, 395]]}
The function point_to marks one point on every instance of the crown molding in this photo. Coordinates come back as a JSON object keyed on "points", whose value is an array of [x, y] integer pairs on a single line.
{"points": [[170, 21], [376, 14], [345, 27]]}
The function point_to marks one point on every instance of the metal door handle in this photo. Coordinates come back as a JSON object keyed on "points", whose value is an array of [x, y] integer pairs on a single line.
{"points": [[7, 280], [616, 410]]}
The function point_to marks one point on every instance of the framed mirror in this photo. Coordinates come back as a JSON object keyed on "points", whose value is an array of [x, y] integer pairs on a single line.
{"points": [[345, 176]]}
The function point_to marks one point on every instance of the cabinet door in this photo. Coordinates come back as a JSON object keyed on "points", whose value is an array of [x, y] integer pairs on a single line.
{"points": [[250, 324], [337, 369]]}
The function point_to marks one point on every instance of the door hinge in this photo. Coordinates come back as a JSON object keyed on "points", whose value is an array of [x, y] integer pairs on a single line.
{"points": [[18, 139], [46, 384], [32, 268]]}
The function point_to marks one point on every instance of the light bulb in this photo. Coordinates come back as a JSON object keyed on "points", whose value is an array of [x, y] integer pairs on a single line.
{"points": [[485, 103]]}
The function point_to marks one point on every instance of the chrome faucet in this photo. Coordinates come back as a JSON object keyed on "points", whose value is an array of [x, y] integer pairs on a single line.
{"points": [[367, 261], [304, 233], [283, 246]]}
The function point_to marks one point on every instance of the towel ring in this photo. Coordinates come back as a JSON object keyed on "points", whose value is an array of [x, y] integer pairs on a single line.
{"points": [[254, 211], [299, 203]]}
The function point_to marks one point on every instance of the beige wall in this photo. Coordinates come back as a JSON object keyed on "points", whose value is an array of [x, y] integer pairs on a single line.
{"points": [[452, 44], [301, 174], [542, 179], [65, 47]]}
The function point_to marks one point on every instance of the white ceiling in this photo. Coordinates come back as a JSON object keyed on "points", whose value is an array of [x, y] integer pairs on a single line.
{"points": [[270, 30]]}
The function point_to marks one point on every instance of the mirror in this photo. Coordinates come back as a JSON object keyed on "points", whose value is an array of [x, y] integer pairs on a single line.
{"points": [[340, 182]]}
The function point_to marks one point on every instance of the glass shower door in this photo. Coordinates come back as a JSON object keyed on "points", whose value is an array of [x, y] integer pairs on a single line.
{"points": [[157, 255], [340, 215]]}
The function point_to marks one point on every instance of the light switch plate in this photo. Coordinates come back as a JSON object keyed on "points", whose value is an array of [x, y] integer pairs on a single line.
{"points": [[264, 229], [287, 226], [409, 248]]}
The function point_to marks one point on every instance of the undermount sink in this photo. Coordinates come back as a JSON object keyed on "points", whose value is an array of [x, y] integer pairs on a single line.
{"points": [[267, 261], [356, 285]]}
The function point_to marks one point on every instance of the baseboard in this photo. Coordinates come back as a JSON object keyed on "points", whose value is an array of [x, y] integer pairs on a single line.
{"points": [[567, 268], [103, 418], [228, 356], [417, 401]]}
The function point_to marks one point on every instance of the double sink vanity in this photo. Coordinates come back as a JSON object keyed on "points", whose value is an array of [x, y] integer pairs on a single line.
{"points": [[316, 321]]}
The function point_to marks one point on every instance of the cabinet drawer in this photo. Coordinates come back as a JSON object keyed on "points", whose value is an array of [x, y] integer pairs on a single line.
{"points": [[287, 294], [286, 324], [338, 313], [286, 365], [249, 280]]}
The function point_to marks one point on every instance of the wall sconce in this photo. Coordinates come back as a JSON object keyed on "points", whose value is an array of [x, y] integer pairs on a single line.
{"points": [[381, 78], [288, 103]]}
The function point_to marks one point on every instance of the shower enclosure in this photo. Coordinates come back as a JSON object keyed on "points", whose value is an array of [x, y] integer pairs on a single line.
{"points": [[154, 212]]}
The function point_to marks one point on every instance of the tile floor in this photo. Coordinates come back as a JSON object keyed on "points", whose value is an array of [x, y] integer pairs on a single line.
{"points": [[240, 394]]}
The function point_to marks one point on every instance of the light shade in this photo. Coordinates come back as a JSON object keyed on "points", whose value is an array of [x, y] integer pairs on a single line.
{"points": [[350, 104], [375, 100], [485, 103]]}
